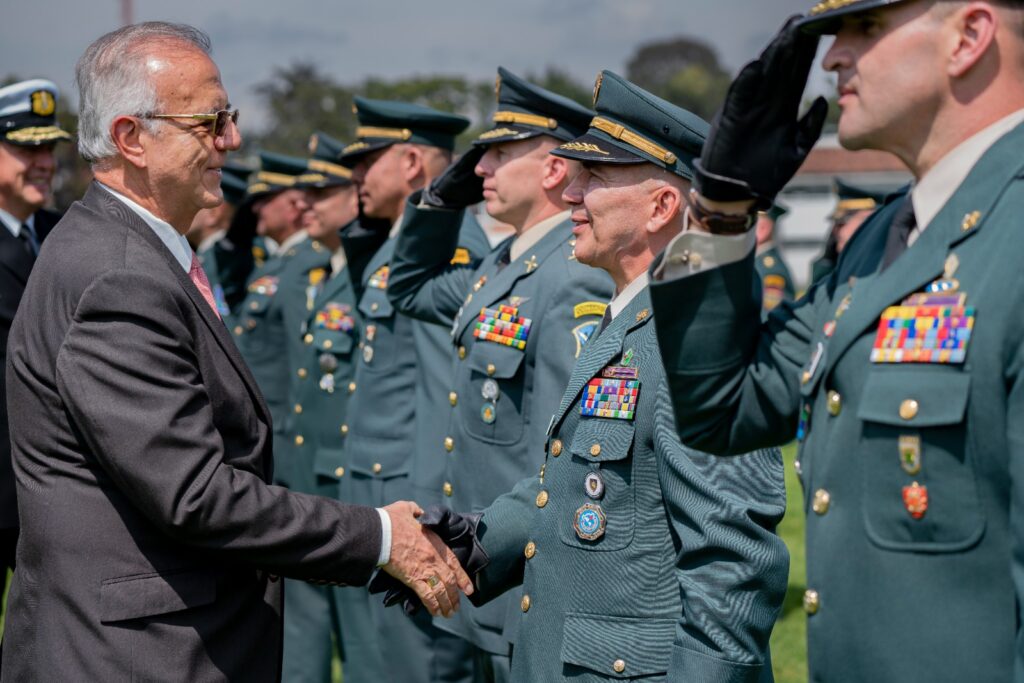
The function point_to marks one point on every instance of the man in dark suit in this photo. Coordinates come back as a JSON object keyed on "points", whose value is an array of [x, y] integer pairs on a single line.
{"points": [[28, 134], [151, 539]]}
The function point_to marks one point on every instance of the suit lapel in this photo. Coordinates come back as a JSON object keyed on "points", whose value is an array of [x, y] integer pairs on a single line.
{"points": [[962, 217], [500, 284], [108, 204]]}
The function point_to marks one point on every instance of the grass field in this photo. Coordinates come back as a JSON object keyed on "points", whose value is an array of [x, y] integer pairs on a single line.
{"points": [[789, 645]]}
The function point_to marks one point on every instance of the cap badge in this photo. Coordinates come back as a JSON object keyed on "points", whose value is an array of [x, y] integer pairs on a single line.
{"points": [[43, 103]]}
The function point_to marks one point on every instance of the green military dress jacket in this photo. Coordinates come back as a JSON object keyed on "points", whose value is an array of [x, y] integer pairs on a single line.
{"points": [[638, 557], [912, 470], [391, 394], [498, 394], [275, 302], [776, 280]]}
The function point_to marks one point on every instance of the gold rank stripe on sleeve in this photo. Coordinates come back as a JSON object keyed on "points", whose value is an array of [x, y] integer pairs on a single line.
{"points": [[379, 132], [621, 133], [524, 119]]}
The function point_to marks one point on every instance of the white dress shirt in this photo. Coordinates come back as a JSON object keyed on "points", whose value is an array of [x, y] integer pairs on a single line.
{"points": [[628, 293], [522, 243], [174, 240], [14, 225]]}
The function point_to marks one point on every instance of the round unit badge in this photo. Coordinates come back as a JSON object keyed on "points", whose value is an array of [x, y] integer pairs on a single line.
{"points": [[589, 522], [593, 485], [327, 383], [488, 413], [490, 390], [328, 362]]}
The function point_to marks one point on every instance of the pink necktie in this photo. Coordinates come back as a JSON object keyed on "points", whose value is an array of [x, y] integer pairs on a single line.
{"points": [[198, 277]]}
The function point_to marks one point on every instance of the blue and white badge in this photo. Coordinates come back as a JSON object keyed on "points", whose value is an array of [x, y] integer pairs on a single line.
{"points": [[589, 522], [593, 485], [490, 390], [489, 413]]}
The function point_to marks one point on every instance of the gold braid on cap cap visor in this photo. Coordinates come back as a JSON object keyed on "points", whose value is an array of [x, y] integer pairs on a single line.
{"points": [[327, 167], [620, 133], [310, 178], [829, 5], [266, 178], [855, 204], [378, 132], [524, 119], [498, 133], [38, 134]]}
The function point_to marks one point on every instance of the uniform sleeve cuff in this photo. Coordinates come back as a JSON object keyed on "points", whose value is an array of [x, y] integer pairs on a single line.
{"points": [[693, 251], [385, 537]]}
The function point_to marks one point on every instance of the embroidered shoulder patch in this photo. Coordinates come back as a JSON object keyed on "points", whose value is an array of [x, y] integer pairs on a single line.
{"points": [[588, 308]]}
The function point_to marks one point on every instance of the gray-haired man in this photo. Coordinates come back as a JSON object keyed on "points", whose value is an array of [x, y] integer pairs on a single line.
{"points": [[151, 540]]}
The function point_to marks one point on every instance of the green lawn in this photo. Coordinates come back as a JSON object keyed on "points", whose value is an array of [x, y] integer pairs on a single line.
{"points": [[789, 642]]}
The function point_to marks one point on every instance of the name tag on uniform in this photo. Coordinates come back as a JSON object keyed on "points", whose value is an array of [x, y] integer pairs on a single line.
{"points": [[928, 327], [503, 325]]}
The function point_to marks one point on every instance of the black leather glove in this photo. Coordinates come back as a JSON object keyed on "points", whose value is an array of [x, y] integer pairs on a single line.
{"points": [[458, 187], [756, 143], [458, 532]]}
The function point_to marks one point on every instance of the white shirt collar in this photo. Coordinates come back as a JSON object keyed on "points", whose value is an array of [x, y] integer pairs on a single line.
{"points": [[13, 224], [932, 191], [172, 239], [397, 225], [629, 292], [338, 261], [291, 241], [522, 243]]}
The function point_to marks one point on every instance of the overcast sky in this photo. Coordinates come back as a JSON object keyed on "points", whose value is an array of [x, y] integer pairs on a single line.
{"points": [[392, 38]]}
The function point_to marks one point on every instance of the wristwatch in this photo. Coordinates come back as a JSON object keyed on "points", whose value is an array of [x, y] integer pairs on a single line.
{"points": [[720, 223]]}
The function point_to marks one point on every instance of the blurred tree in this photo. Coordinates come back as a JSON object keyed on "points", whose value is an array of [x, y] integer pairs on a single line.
{"points": [[683, 71], [298, 100]]}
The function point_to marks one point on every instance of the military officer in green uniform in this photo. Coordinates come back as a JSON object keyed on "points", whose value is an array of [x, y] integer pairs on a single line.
{"points": [[853, 206], [320, 345], [503, 385], [901, 372], [776, 282], [399, 393], [276, 291], [638, 557]]}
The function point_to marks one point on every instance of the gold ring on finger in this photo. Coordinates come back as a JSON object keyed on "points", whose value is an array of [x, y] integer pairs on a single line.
{"points": [[432, 581]]}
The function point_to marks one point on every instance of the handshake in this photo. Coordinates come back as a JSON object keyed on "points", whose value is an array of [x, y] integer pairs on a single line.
{"points": [[434, 554]]}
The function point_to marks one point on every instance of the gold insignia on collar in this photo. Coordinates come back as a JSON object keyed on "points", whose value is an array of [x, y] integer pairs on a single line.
{"points": [[970, 220], [461, 257], [642, 315], [531, 264], [597, 86], [43, 103], [583, 147], [314, 142], [952, 263]]}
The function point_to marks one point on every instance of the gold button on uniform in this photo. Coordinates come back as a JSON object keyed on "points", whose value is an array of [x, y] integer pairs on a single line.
{"points": [[254, 305], [619, 666], [835, 403], [351, 387], [308, 339], [447, 488], [302, 373], [238, 330], [453, 398], [812, 601], [542, 499], [595, 450], [556, 447], [525, 603], [908, 409], [822, 499], [344, 430], [374, 306], [377, 467], [531, 550], [298, 408], [328, 343], [491, 369], [299, 440], [339, 472], [462, 353], [449, 443]]}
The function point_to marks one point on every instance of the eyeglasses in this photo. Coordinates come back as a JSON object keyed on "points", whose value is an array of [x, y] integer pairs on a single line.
{"points": [[219, 119]]}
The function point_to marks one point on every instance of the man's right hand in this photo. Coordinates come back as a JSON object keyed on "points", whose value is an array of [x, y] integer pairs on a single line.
{"points": [[757, 143], [459, 186], [420, 560]]}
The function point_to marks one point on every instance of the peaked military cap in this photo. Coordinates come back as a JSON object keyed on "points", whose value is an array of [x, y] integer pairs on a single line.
{"points": [[325, 151], [28, 114], [633, 126], [233, 182], [826, 17], [853, 198], [526, 111], [277, 172], [383, 123]]}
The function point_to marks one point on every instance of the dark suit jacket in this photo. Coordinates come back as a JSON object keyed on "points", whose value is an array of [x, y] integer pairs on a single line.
{"points": [[15, 265], [150, 536]]}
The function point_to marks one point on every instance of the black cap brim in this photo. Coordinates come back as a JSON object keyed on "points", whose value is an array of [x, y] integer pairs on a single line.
{"points": [[597, 149]]}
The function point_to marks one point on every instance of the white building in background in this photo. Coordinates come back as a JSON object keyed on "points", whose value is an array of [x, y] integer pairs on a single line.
{"points": [[809, 196]]}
